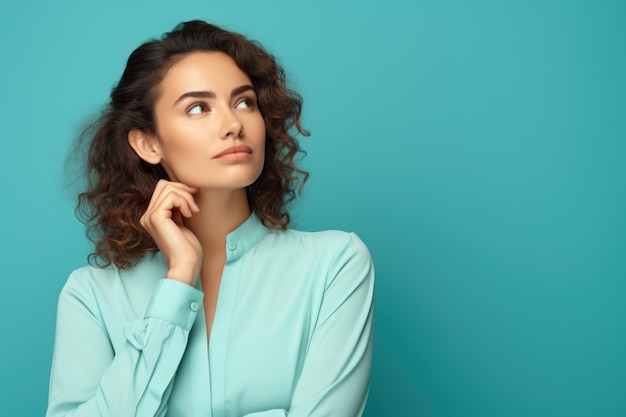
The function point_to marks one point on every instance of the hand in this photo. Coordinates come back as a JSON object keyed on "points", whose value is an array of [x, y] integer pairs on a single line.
{"points": [[163, 220]]}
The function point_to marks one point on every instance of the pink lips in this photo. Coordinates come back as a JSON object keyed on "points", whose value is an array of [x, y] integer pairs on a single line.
{"points": [[235, 153]]}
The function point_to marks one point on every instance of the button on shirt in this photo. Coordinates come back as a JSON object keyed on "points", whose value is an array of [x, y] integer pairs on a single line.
{"points": [[291, 334]]}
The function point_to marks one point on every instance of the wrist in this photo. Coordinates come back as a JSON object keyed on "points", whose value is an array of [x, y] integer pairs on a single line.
{"points": [[187, 275]]}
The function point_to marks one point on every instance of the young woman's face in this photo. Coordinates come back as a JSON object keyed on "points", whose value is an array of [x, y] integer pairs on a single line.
{"points": [[209, 129]]}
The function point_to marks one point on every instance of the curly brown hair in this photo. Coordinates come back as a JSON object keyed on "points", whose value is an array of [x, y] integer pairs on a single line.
{"points": [[120, 184]]}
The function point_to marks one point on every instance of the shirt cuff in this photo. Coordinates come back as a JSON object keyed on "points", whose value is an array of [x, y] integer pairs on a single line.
{"points": [[175, 302]]}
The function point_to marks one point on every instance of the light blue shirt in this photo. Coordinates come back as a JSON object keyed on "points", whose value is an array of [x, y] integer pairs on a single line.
{"points": [[292, 334]]}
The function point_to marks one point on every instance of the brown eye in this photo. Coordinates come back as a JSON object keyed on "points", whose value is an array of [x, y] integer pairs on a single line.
{"points": [[197, 108], [246, 103]]}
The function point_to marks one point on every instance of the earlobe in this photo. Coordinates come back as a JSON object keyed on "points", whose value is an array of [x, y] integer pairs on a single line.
{"points": [[145, 146]]}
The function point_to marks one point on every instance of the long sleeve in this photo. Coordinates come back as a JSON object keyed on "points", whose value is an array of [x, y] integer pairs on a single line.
{"points": [[291, 335], [335, 377], [91, 378]]}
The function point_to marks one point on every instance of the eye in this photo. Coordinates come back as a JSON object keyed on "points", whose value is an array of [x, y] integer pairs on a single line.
{"points": [[197, 108], [245, 103]]}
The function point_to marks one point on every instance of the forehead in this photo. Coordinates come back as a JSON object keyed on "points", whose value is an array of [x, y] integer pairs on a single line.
{"points": [[202, 71]]}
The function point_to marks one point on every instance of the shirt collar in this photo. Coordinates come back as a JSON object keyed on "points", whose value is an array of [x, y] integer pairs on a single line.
{"points": [[244, 237]]}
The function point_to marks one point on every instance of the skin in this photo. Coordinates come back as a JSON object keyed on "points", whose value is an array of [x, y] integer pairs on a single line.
{"points": [[205, 107]]}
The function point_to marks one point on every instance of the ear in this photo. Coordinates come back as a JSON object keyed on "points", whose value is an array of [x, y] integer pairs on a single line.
{"points": [[146, 146]]}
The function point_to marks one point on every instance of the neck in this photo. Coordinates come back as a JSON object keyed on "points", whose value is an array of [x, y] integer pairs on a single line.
{"points": [[221, 212]]}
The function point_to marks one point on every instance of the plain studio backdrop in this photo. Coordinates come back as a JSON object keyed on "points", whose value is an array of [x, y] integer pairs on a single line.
{"points": [[477, 147]]}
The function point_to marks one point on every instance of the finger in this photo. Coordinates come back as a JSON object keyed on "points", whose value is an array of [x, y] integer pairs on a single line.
{"points": [[173, 200], [170, 207], [184, 187], [177, 217], [162, 184], [162, 198], [184, 202], [189, 192], [163, 188]]}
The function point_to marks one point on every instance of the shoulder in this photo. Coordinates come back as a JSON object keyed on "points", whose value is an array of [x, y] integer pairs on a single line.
{"points": [[328, 242], [92, 284], [333, 251], [85, 280], [330, 239]]}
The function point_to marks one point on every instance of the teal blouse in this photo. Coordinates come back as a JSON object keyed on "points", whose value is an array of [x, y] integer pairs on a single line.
{"points": [[292, 333]]}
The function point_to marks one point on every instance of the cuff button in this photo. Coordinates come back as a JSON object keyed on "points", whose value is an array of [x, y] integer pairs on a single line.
{"points": [[193, 306]]}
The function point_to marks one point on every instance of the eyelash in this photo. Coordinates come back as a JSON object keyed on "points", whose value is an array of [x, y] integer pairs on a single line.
{"points": [[194, 105], [250, 103]]}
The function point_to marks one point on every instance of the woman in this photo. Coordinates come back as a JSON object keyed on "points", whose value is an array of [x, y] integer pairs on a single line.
{"points": [[202, 302]]}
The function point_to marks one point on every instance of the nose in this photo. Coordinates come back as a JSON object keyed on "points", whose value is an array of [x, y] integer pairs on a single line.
{"points": [[231, 125]]}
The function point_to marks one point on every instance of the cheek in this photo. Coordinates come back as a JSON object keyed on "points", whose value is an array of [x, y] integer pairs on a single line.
{"points": [[256, 133], [260, 162], [257, 120], [260, 153], [183, 140]]}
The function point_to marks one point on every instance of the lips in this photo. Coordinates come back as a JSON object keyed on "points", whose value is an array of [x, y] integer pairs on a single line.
{"points": [[234, 150]]}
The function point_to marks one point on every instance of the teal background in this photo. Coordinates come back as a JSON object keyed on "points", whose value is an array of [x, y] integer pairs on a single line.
{"points": [[477, 147]]}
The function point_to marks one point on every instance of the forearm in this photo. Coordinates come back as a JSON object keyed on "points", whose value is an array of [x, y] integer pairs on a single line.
{"points": [[90, 379]]}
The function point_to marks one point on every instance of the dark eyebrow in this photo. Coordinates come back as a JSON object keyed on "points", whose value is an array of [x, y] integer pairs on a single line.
{"points": [[240, 90], [195, 94], [211, 94]]}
